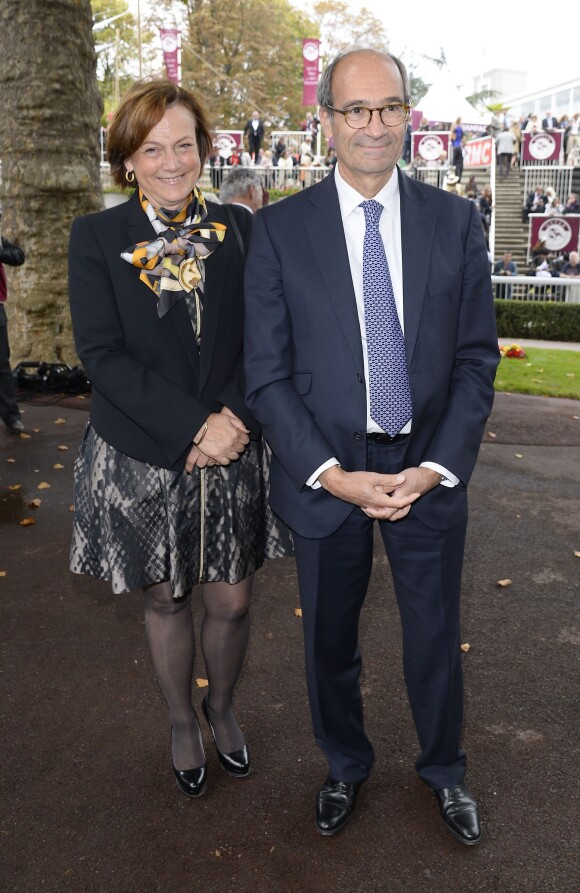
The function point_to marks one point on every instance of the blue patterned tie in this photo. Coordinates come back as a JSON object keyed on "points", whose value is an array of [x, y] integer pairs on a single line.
{"points": [[389, 389]]}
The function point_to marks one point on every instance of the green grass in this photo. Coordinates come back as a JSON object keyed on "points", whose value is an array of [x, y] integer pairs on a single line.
{"points": [[546, 373]]}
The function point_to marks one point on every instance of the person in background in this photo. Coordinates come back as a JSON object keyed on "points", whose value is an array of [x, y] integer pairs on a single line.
{"points": [[505, 267], [9, 412], [243, 186], [172, 475], [572, 205], [504, 146], [456, 134], [571, 270], [254, 131]]}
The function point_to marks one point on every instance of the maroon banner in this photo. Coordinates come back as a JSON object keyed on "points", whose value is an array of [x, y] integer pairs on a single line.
{"points": [[478, 153], [558, 234], [228, 141], [170, 45], [431, 146], [542, 146], [310, 58]]}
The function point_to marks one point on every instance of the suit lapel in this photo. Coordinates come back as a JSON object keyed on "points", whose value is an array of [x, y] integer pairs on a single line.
{"points": [[325, 231], [417, 231]]}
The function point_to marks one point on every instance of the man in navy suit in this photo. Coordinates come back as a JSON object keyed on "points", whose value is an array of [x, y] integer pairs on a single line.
{"points": [[316, 271]]}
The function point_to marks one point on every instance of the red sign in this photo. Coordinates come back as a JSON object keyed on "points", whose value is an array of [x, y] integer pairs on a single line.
{"points": [[228, 141], [430, 145], [171, 46], [310, 58], [542, 146], [479, 152], [558, 234]]}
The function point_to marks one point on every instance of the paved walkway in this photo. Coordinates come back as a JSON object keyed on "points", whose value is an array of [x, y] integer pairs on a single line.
{"points": [[554, 345], [89, 804]]}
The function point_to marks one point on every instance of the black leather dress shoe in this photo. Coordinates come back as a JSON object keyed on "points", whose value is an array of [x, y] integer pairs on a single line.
{"points": [[460, 813], [236, 763], [15, 425], [335, 804], [191, 782]]}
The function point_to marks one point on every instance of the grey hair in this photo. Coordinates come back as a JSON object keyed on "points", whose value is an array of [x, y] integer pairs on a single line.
{"points": [[237, 183], [324, 93]]}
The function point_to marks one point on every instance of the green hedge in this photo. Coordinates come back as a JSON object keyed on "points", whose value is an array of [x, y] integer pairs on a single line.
{"points": [[545, 320]]}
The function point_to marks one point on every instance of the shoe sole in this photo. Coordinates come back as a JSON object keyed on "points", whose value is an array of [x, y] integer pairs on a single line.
{"points": [[188, 794], [335, 831], [236, 774], [459, 837]]}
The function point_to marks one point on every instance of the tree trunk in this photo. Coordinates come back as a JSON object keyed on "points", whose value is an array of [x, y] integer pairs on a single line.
{"points": [[49, 147]]}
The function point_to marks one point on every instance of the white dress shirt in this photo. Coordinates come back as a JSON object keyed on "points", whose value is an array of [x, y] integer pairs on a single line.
{"points": [[353, 221]]}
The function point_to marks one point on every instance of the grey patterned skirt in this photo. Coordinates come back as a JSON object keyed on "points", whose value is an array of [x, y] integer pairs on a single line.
{"points": [[137, 524]]}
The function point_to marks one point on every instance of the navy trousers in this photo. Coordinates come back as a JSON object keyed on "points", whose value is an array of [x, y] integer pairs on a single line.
{"points": [[333, 576]]}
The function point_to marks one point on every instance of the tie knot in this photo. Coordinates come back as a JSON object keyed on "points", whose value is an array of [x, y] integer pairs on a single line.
{"points": [[373, 211]]}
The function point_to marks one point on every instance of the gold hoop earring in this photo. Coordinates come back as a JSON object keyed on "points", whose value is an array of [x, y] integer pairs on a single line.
{"points": [[130, 176]]}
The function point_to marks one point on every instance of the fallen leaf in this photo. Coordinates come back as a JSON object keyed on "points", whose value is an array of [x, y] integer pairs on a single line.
{"points": [[217, 853], [14, 486], [2, 573], [43, 486], [298, 612], [577, 554], [71, 508], [574, 417], [58, 466], [518, 455], [537, 380], [27, 521], [201, 683], [528, 364], [36, 430], [506, 582], [11, 460], [34, 503], [63, 447], [570, 375], [60, 422], [491, 434], [24, 436], [466, 646]]}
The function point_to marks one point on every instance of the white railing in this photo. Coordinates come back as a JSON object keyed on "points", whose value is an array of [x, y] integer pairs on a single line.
{"points": [[535, 288], [559, 178], [272, 177]]}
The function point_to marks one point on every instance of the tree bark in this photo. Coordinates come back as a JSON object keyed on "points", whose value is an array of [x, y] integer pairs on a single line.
{"points": [[49, 147]]}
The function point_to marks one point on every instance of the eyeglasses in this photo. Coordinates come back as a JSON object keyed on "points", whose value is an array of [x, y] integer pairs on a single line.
{"points": [[360, 116]]}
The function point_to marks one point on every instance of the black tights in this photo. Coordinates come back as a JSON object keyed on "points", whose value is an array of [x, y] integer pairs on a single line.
{"points": [[224, 637]]}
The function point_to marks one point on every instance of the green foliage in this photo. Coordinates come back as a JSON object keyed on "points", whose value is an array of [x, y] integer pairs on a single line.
{"points": [[246, 54], [116, 46], [546, 373], [341, 27], [545, 320]]}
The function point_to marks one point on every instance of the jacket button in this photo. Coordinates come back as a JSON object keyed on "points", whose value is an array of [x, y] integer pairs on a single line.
{"points": [[357, 435]]}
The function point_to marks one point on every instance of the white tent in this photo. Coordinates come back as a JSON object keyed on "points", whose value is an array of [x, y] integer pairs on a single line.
{"points": [[444, 102]]}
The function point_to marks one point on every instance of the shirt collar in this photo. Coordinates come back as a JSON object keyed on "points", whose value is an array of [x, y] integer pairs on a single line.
{"points": [[350, 199]]}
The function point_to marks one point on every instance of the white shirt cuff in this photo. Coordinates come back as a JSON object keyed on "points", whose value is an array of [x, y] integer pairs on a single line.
{"points": [[449, 480], [313, 479]]}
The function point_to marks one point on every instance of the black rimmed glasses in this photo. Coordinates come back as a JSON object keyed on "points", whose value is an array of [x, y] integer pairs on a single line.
{"points": [[360, 116]]}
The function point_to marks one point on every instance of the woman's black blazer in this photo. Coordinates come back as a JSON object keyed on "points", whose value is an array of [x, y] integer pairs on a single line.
{"points": [[152, 388]]}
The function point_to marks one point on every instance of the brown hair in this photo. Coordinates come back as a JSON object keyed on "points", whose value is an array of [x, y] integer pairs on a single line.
{"points": [[140, 110]]}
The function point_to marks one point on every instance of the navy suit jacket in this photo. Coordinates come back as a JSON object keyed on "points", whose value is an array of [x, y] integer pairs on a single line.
{"points": [[304, 361], [152, 388]]}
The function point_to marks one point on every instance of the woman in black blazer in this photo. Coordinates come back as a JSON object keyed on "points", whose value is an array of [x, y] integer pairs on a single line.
{"points": [[171, 478]]}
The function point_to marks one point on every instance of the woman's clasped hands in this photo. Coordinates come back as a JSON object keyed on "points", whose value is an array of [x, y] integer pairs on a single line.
{"points": [[221, 442]]}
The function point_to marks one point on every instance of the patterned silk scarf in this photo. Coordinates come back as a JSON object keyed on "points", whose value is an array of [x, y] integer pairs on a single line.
{"points": [[172, 265]]}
